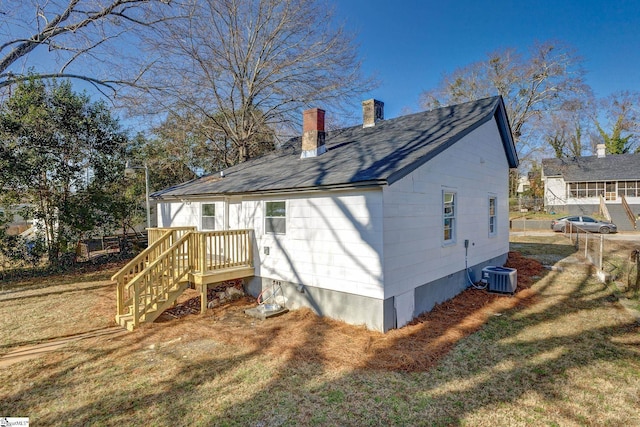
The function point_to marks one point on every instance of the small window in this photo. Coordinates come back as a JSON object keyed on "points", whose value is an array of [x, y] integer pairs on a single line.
{"points": [[492, 216], [208, 216], [449, 216], [275, 219]]}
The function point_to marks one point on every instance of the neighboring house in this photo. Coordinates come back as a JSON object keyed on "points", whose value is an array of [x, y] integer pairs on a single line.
{"points": [[523, 184], [372, 224], [578, 185], [17, 224]]}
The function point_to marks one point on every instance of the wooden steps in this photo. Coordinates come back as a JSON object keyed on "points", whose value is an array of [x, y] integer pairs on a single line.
{"points": [[175, 258], [153, 311]]}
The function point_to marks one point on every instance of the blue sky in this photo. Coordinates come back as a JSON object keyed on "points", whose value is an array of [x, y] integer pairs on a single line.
{"points": [[410, 44]]}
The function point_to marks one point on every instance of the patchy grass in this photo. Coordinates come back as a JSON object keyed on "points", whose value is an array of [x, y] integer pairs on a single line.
{"points": [[562, 352]]}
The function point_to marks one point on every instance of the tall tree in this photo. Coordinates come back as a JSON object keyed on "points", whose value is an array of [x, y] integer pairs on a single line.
{"points": [[564, 130], [75, 39], [532, 85], [242, 67], [620, 129], [196, 143], [61, 154]]}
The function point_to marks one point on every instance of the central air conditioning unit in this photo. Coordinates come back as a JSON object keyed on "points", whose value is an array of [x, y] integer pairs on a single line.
{"points": [[500, 279]]}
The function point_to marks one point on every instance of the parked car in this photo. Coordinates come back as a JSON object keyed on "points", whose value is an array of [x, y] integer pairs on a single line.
{"points": [[585, 223]]}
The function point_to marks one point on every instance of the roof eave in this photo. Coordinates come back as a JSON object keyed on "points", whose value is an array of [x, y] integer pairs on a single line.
{"points": [[362, 185], [498, 114], [504, 127]]}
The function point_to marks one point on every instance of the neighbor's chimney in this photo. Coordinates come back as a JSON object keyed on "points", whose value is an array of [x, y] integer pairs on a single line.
{"points": [[312, 133], [372, 112], [600, 150]]}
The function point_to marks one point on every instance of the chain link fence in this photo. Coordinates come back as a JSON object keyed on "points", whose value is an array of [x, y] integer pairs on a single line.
{"points": [[615, 260], [526, 204]]}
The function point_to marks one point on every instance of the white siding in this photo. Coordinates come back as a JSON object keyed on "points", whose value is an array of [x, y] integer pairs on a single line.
{"points": [[555, 194], [182, 214], [333, 241], [474, 168], [555, 191]]}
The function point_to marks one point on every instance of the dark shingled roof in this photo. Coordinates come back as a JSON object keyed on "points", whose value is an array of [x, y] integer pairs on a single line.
{"points": [[357, 156], [613, 167]]}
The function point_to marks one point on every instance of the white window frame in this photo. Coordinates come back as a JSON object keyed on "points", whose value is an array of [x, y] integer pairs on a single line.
{"points": [[203, 216], [449, 215], [493, 216], [266, 217]]}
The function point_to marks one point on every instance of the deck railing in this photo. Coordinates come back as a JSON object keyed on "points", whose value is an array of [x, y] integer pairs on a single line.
{"points": [[172, 254], [216, 250], [177, 232]]}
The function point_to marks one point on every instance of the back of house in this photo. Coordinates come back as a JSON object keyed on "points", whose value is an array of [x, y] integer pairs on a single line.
{"points": [[372, 224]]}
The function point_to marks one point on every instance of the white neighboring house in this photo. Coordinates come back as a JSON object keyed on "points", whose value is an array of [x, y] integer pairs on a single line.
{"points": [[372, 224], [523, 184], [575, 185]]}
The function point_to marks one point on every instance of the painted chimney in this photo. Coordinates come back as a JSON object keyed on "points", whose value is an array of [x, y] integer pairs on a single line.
{"points": [[601, 150], [313, 133], [372, 112]]}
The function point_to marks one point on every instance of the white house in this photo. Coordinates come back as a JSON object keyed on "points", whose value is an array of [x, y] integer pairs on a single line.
{"points": [[576, 185], [372, 224]]}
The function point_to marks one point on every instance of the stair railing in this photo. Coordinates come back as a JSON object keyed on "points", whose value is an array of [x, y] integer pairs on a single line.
{"points": [[152, 286], [628, 211], [159, 244], [604, 210]]}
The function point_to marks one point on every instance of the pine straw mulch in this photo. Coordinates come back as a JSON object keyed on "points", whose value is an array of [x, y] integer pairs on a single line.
{"points": [[301, 337]]}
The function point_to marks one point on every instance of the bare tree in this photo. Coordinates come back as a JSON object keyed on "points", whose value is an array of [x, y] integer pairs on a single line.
{"points": [[617, 123], [565, 130], [243, 66], [532, 86], [91, 40]]}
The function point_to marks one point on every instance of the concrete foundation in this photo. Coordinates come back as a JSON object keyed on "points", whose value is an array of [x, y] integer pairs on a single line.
{"points": [[374, 313], [353, 309], [445, 288]]}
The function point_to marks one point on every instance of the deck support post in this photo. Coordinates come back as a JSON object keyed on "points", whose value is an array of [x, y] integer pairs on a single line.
{"points": [[203, 298]]}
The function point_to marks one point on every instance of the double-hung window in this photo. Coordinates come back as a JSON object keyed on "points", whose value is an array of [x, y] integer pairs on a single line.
{"points": [[493, 216], [275, 218], [208, 216], [449, 216]]}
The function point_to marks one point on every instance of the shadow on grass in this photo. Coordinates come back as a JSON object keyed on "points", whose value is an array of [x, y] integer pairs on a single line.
{"points": [[530, 349], [48, 294]]}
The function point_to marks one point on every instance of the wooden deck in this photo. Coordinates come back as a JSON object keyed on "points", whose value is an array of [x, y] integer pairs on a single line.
{"points": [[175, 259]]}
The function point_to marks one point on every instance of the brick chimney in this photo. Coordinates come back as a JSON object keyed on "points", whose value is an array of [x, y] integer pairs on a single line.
{"points": [[372, 112], [313, 133], [601, 150]]}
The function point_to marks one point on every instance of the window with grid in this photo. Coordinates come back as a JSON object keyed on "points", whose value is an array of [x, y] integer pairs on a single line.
{"points": [[275, 219], [492, 215], [449, 216], [208, 216], [581, 190], [629, 188]]}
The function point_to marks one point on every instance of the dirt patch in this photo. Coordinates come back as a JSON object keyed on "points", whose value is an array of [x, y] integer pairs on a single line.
{"points": [[303, 337], [189, 301]]}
